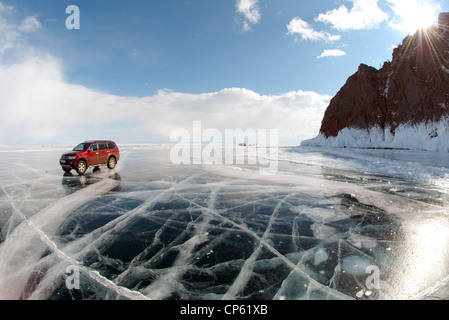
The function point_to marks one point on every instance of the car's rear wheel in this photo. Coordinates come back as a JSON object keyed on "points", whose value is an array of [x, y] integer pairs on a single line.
{"points": [[111, 163], [81, 167]]}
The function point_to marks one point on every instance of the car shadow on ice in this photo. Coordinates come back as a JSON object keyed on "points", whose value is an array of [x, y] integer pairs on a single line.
{"points": [[73, 182]]}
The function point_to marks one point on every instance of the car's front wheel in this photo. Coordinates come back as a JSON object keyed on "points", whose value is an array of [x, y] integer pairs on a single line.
{"points": [[111, 163], [81, 167]]}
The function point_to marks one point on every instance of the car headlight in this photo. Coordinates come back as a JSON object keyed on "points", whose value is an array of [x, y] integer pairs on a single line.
{"points": [[71, 158]]}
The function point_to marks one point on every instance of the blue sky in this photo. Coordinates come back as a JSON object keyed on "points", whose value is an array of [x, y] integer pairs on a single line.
{"points": [[275, 63]]}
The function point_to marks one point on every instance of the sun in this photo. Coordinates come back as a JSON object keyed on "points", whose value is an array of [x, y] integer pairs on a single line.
{"points": [[414, 14], [421, 17]]}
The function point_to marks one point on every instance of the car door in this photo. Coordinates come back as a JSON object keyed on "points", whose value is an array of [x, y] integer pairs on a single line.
{"points": [[93, 155], [103, 152]]}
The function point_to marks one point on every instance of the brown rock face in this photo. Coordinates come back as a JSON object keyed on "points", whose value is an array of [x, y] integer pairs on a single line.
{"points": [[443, 21], [412, 88]]}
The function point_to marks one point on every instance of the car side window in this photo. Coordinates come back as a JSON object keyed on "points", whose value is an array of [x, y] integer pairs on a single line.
{"points": [[111, 145], [103, 146], [93, 147]]}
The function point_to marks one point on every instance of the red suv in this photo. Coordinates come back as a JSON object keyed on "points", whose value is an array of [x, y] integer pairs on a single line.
{"points": [[90, 154]]}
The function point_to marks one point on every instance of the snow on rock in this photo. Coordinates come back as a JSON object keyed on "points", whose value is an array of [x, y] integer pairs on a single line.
{"points": [[432, 136]]}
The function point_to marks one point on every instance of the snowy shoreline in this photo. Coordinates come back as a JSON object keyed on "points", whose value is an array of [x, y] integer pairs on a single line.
{"points": [[426, 136]]}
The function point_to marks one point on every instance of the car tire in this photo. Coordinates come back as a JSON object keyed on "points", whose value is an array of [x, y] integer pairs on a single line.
{"points": [[81, 167], [67, 169], [112, 162]]}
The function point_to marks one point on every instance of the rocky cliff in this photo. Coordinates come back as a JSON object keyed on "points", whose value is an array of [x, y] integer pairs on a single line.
{"points": [[405, 104]]}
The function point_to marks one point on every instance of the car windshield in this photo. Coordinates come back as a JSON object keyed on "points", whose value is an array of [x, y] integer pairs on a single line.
{"points": [[81, 147]]}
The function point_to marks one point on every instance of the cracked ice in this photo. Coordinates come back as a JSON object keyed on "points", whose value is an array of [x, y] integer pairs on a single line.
{"points": [[154, 230]]}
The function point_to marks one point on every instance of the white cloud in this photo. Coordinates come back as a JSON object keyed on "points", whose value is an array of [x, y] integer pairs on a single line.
{"points": [[8, 34], [13, 34], [251, 12], [38, 106], [297, 26], [332, 53], [365, 14], [30, 24], [4, 7], [7, 37]]}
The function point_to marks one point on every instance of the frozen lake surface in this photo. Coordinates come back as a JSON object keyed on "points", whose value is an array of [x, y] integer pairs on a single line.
{"points": [[330, 224]]}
